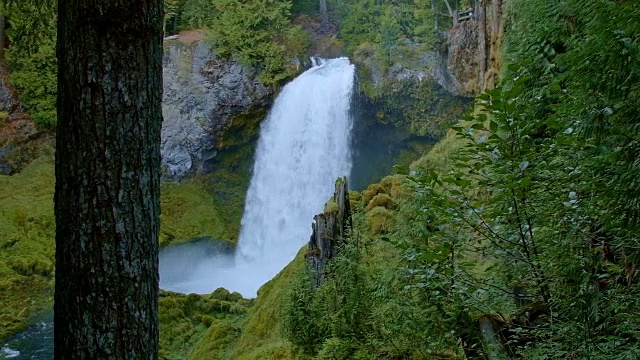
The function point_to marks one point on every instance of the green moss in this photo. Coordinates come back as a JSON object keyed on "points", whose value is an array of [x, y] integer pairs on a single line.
{"points": [[354, 200], [216, 340], [27, 229], [371, 191], [258, 336], [380, 220], [396, 186], [383, 200], [331, 206], [229, 180], [188, 212], [185, 319], [440, 157]]}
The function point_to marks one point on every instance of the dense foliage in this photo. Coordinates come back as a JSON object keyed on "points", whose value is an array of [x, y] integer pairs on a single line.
{"points": [[514, 237], [259, 33], [31, 56], [520, 238], [396, 28], [393, 44]]}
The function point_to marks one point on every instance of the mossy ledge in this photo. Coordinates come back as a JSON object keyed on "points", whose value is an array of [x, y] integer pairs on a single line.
{"points": [[190, 209]]}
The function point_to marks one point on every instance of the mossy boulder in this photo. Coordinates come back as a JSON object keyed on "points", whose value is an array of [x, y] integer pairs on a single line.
{"points": [[185, 319], [396, 186], [383, 200], [189, 211], [380, 220], [371, 191]]}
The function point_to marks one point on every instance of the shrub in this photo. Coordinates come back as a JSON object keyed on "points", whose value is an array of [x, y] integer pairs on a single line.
{"points": [[371, 191], [396, 186], [380, 220], [382, 200], [336, 349]]}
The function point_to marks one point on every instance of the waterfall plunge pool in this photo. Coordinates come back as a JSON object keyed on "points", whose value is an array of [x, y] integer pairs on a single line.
{"points": [[304, 146], [315, 132]]}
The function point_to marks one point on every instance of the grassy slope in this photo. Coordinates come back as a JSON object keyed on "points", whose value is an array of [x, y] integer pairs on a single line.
{"points": [[184, 319], [189, 211], [439, 156], [26, 243], [27, 233], [259, 335]]}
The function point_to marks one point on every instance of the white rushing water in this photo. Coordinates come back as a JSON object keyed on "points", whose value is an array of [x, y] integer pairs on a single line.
{"points": [[303, 148]]}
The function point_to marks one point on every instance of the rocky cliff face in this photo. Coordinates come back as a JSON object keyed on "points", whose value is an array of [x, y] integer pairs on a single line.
{"points": [[465, 62], [468, 58], [457, 66], [202, 94]]}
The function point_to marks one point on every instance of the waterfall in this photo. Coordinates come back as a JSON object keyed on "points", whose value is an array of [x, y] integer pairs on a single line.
{"points": [[303, 148]]}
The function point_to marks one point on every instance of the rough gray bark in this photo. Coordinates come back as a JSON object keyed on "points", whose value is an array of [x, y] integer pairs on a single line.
{"points": [[329, 230], [108, 178]]}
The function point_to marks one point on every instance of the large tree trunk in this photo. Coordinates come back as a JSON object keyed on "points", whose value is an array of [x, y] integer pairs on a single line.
{"points": [[107, 178]]}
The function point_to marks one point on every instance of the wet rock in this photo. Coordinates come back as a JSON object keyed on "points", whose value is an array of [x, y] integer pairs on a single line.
{"points": [[202, 94]]}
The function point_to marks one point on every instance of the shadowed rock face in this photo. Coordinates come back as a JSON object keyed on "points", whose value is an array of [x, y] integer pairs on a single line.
{"points": [[202, 94], [329, 231], [18, 133], [457, 68]]}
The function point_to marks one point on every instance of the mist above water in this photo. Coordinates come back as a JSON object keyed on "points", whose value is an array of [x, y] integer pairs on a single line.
{"points": [[303, 148]]}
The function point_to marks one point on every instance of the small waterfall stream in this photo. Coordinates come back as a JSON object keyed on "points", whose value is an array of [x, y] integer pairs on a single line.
{"points": [[303, 147]]}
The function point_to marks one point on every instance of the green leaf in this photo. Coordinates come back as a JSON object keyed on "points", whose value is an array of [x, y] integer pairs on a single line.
{"points": [[478, 126]]}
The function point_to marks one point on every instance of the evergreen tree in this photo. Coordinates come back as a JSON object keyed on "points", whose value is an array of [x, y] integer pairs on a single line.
{"points": [[108, 179]]}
